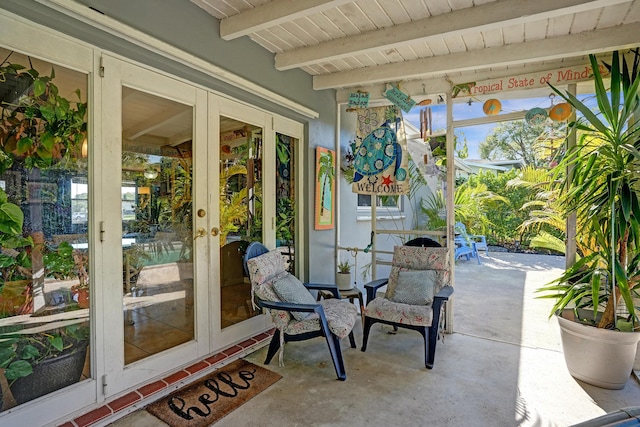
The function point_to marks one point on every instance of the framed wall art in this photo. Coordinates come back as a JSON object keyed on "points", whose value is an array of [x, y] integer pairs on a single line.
{"points": [[325, 188]]}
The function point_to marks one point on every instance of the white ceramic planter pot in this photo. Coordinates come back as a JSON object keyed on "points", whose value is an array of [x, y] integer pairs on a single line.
{"points": [[344, 282], [600, 357]]}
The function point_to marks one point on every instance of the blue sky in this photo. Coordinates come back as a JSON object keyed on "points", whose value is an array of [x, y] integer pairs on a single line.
{"points": [[476, 134]]}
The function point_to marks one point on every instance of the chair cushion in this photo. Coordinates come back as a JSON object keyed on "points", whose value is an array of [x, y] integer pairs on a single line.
{"points": [[419, 258], [263, 271], [413, 287], [290, 289], [406, 314], [341, 317]]}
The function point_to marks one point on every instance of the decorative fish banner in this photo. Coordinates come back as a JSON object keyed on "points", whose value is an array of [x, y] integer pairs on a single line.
{"points": [[380, 152]]}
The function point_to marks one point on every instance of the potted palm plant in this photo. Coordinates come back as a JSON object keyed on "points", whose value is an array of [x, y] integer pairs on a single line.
{"points": [[343, 276], [594, 297]]}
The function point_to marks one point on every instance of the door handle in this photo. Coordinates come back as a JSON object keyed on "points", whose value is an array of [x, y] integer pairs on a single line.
{"points": [[215, 231], [201, 232]]}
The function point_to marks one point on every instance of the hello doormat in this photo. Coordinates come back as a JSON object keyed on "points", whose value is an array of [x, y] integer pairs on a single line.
{"points": [[214, 396]]}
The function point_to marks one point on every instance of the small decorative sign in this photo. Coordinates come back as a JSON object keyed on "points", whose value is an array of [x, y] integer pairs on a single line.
{"points": [[400, 99], [358, 100]]}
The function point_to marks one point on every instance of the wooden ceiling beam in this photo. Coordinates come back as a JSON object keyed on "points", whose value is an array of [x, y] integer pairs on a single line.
{"points": [[598, 41], [460, 22], [271, 14]]}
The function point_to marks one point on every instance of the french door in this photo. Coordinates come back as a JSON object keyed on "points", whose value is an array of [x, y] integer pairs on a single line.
{"points": [[154, 180], [188, 180]]}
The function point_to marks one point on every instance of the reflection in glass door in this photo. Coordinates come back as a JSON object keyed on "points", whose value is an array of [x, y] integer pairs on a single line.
{"points": [[285, 198], [241, 214], [157, 241], [45, 291]]}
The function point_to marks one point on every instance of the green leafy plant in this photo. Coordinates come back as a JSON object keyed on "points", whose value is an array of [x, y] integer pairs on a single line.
{"points": [[284, 220], [344, 266], [15, 260], [603, 190], [41, 127], [20, 353], [233, 204]]}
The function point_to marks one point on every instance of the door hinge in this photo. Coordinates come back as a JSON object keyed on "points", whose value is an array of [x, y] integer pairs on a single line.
{"points": [[104, 383], [101, 71], [102, 231]]}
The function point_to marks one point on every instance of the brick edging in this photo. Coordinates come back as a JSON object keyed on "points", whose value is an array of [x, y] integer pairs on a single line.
{"points": [[122, 405]]}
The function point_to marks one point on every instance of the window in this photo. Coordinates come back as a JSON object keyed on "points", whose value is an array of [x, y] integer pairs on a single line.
{"points": [[387, 203], [129, 200], [79, 201]]}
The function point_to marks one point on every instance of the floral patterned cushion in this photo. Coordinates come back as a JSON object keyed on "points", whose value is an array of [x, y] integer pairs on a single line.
{"points": [[290, 289], [413, 287], [419, 258], [341, 317], [384, 309], [263, 271]]}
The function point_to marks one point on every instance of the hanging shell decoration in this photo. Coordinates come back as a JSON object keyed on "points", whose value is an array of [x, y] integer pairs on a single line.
{"points": [[536, 116], [491, 107], [560, 112]]}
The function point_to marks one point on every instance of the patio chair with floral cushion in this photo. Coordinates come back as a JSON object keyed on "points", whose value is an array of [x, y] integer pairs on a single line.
{"points": [[418, 285], [295, 312]]}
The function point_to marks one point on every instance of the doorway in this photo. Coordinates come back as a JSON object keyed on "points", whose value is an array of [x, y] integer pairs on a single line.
{"points": [[199, 178]]}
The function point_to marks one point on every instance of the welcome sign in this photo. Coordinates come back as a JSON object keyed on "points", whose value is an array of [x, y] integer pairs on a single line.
{"points": [[380, 153]]}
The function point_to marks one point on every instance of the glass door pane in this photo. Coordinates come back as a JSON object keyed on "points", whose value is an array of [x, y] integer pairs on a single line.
{"points": [[44, 223], [285, 198], [157, 242], [241, 214]]}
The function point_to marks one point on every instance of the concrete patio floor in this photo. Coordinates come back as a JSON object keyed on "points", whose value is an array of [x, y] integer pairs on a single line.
{"points": [[502, 366]]}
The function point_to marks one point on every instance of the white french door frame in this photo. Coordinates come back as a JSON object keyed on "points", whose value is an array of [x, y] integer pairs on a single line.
{"points": [[118, 73], [220, 106], [295, 130], [22, 36]]}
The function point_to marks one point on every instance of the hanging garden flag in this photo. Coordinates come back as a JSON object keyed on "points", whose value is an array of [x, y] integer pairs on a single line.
{"points": [[380, 153]]}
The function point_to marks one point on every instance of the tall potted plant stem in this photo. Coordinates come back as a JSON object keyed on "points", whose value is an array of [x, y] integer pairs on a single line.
{"points": [[604, 192]]}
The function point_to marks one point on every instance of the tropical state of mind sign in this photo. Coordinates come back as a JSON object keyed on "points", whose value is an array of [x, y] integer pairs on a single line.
{"points": [[527, 81]]}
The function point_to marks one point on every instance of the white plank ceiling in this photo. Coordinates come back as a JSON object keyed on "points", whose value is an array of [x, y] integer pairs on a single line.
{"points": [[348, 45]]}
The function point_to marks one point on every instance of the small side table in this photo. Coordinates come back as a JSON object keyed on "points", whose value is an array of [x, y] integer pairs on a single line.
{"points": [[351, 294]]}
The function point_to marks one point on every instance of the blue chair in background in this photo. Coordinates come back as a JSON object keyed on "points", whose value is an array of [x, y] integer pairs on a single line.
{"points": [[463, 249], [478, 242]]}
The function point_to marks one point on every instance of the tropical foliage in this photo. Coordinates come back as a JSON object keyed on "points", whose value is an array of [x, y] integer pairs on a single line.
{"points": [[233, 206], [533, 144], [41, 127], [603, 190], [471, 202]]}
